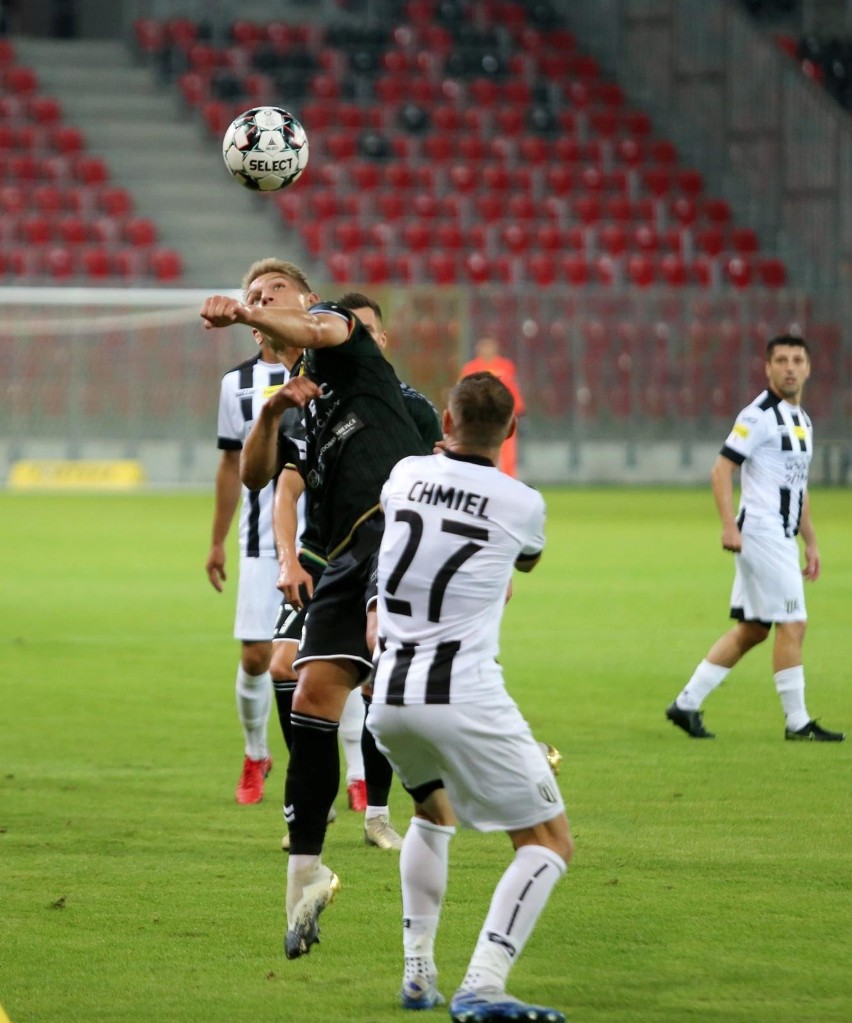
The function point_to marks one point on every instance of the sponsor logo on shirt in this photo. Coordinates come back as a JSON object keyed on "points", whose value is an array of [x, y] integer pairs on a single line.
{"points": [[741, 431]]}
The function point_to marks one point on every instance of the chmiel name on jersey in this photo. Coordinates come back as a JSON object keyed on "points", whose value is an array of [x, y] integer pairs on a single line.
{"points": [[453, 498]]}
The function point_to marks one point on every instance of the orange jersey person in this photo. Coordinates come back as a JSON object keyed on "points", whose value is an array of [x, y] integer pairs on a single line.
{"points": [[489, 360]]}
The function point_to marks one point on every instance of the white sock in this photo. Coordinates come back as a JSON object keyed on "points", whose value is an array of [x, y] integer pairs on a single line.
{"points": [[376, 811], [254, 698], [705, 679], [302, 869], [516, 905], [351, 724], [423, 863], [790, 686]]}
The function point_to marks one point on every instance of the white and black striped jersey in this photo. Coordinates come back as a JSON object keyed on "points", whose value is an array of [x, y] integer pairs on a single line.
{"points": [[454, 528], [243, 391], [773, 442]]}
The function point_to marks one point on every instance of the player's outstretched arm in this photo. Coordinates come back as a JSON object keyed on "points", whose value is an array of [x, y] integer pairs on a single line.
{"points": [[283, 327]]}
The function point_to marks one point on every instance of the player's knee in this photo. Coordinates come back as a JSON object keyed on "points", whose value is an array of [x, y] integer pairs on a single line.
{"points": [[753, 633], [281, 664], [255, 657]]}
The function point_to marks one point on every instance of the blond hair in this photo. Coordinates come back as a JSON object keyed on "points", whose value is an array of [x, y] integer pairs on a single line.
{"points": [[274, 265]]}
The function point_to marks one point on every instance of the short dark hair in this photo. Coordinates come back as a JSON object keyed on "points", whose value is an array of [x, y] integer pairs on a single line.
{"points": [[356, 300], [787, 339], [482, 408]]}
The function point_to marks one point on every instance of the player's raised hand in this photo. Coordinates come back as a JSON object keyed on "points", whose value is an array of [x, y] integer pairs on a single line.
{"points": [[221, 311], [298, 391]]}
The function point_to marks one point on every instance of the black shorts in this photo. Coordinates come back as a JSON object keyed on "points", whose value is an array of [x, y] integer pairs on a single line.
{"points": [[336, 623], [290, 620]]}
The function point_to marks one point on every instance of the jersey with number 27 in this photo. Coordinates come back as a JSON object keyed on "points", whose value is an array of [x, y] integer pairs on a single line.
{"points": [[454, 527]]}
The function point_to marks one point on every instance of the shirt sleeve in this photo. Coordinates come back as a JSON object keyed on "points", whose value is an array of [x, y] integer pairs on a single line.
{"points": [[747, 433], [231, 425], [534, 543]]}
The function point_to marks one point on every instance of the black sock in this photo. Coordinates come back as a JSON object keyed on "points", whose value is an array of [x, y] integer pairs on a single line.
{"points": [[313, 778], [284, 689], [378, 773]]}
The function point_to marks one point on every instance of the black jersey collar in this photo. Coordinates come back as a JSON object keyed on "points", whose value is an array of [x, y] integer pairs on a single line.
{"points": [[476, 459]]}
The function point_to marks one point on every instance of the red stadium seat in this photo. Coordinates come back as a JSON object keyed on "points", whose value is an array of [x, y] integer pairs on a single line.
{"points": [[496, 176], [140, 231], [738, 272], [21, 81], [470, 148], [612, 238], [717, 211], [44, 109], [91, 170], [515, 238], [521, 206], [165, 264], [640, 270], [391, 205], [68, 139], [489, 206], [744, 240], [73, 229], [463, 178], [449, 236], [364, 174], [400, 175], [375, 267], [36, 229], [711, 241], [772, 273], [587, 209], [48, 198], [673, 270], [416, 235], [690, 182], [59, 262], [439, 148], [96, 263], [645, 238], [441, 268], [548, 238], [347, 235], [541, 268], [575, 269]]}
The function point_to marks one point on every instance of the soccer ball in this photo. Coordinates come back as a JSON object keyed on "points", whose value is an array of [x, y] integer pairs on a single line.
{"points": [[265, 149]]}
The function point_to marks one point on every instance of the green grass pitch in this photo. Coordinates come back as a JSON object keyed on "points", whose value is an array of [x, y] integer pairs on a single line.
{"points": [[710, 881]]}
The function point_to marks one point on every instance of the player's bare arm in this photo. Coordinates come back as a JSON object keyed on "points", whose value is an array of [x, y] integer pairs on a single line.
{"points": [[813, 567], [259, 458], [227, 499], [293, 580], [722, 482], [282, 326]]}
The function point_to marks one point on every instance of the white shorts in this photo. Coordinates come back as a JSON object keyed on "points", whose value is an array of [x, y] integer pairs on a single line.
{"points": [[258, 599], [768, 584], [494, 771]]}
